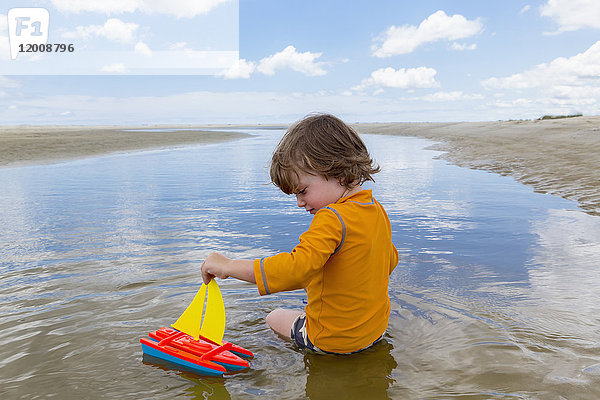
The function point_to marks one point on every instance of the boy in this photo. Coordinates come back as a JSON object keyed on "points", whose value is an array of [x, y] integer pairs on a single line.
{"points": [[343, 260]]}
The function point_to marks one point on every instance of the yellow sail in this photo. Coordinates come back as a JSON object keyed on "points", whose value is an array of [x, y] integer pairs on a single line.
{"points": [[212, 326]]}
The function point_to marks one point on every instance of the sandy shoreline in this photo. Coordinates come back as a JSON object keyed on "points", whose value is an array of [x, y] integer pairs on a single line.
{"points": [[40, 144], [560, 157]]}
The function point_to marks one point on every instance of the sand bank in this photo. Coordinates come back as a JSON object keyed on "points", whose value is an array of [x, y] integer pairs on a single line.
{"points": [[31, 144], [560, 156]]}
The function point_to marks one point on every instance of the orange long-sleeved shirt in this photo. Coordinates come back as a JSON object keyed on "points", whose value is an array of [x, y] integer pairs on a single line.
{"points": [[343, 261]]}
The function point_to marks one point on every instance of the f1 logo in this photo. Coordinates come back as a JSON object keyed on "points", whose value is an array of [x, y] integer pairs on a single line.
{"points": [[27, 26]]}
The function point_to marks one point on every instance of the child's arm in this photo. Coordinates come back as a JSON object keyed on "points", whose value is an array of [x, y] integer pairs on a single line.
{"points": [[222, 267]]}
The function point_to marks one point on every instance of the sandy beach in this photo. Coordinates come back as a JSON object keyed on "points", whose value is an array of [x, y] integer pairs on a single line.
{"points": [[559, 156], [39, 144], [556, 156]]}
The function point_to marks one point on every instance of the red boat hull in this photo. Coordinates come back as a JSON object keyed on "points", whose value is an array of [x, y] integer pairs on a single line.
{"points": [[202, 356]]}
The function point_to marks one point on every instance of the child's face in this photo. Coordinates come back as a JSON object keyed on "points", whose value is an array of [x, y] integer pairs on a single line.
{"points": [[316, 192]]}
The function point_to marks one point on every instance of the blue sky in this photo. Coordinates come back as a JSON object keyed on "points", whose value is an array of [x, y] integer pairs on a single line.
{"points": [[362, 60]]}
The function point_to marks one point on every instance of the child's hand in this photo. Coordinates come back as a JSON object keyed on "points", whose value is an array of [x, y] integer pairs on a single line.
{"points": [[215, 265]]}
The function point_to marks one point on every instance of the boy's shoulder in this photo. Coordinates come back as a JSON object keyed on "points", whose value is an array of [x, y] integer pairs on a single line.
{"points": [[363, 198], [362, 203]]}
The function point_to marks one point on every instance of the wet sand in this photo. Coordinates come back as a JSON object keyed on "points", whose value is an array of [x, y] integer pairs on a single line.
{"points": [[559, 156], [34, 144]]}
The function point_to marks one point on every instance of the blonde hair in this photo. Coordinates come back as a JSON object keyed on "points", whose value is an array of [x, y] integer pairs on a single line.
{"points": [[325, 145]]}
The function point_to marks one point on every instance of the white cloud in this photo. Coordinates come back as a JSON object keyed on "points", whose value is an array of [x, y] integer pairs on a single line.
{"points": [[142, 48], [179, 8], [403, 78], [566, 85], [113, 29], [178, 46], [438, 26], [572, 15], [577, 95], [117, 30], [451, 96], [290, 58], [105, 6], [181, 47], [8, 83], [114, 68], [524, 9], [578, 70], [241, 70], [463, 46]]}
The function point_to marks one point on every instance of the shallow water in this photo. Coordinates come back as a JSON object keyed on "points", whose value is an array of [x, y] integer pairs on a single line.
{"points": [[495, 295]]}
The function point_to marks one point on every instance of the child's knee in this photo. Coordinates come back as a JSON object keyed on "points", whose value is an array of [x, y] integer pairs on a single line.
{"points": [[281, 320], [270, 317], [274, 316]]}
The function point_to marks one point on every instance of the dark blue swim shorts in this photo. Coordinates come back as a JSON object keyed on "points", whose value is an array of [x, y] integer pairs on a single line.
{"points": [[300, 337]]}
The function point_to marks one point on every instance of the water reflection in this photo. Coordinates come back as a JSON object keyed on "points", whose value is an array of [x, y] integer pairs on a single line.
{"points": [[366, 375], [494, 296], [565, 276], [202, 387]]}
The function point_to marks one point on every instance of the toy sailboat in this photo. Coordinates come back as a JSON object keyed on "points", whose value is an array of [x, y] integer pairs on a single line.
{"points": [[196, 343]]}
